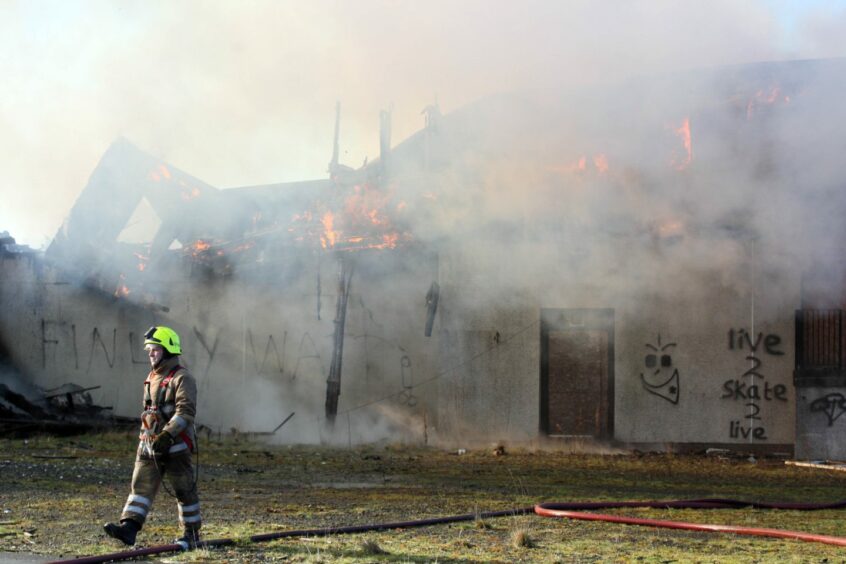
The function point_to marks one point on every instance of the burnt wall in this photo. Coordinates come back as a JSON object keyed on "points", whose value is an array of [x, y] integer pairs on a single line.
{"points": [[259, 342]]}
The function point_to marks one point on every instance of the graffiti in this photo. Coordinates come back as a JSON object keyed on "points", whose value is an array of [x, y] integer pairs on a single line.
{"points": [[271, 344], [832, 405], [63, 345], [739, 431], [736, 389], [75, 349], [209, 350], [45, 341], [132, 348], [51, 343], [745, 388], [95, 336], [659, 363], [740, 339], [300, 356]]}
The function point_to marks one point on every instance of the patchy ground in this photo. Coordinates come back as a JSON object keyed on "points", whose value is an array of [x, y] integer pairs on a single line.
{"points": [[55, 494]]}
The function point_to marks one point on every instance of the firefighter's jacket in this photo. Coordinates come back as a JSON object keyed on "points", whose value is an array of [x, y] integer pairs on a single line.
{"points": [[170, 403]]}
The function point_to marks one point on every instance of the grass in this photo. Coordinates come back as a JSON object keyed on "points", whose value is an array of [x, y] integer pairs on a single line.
{"points": [[56, 493], [521, 538]]}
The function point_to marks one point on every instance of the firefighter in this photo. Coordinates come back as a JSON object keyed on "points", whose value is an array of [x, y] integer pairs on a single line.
{"points": [[167, 441]]}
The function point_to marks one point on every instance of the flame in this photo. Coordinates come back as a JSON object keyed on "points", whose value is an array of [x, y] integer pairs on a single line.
{"points": [[580, 165], [389, 241], [361, 220], [366, 204], [142, 261], [241, 248], [189, 194], [197, 248], [683, 131], [122, 290], [329, 235], [762, 98], [158, 173]]}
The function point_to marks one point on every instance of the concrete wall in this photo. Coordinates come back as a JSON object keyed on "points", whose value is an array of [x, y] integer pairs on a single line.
{"points": [[733, 351], [729, 333], [260, 352], [253, 340], [819, 423]]}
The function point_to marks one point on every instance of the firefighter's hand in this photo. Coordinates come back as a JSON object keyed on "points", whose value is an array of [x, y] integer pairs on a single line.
{"points": [[162, 444]]}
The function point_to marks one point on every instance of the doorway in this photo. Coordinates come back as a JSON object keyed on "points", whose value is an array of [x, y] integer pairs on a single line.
{"points": [[576, 373]]}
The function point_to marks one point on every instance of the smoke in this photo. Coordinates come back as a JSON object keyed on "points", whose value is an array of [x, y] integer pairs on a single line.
{"points": [[623, 148], [243, 94]]}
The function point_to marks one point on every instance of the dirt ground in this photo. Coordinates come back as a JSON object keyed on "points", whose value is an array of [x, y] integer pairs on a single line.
{"points": [[55, 494]]}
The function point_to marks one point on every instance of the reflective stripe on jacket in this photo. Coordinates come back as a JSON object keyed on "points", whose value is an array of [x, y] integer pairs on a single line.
{"points": [[170, 404]]}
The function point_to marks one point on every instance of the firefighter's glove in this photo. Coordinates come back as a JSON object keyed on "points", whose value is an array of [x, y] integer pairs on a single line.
{"points": [[162, 444]]}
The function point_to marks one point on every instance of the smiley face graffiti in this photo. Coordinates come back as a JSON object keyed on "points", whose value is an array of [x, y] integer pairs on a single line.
{"points": [[661, 377]]}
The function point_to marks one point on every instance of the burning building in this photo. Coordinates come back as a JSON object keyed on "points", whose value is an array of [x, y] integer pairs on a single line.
{"points": [[651, 264]]}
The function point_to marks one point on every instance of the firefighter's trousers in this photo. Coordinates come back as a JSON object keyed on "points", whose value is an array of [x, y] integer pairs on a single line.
{"points": [[147, 477]]}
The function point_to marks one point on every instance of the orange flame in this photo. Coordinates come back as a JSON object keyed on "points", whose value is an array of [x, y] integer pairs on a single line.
{"points": [[389, 241], [683, 131], [599, 161], [362, 223], [329, 235], [142, 261], [765, 99], [122, 290], [158, 173], [198, 247], [189, 194]]}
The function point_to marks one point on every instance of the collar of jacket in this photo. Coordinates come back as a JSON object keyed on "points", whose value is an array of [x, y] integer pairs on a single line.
{"points": [[166, 365]]}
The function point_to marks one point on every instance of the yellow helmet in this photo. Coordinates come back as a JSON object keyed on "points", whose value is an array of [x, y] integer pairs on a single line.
{"points": [[164, 337]]}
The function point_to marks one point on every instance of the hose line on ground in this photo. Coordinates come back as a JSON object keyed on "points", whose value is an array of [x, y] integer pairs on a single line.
{"points": [[574, 510]]}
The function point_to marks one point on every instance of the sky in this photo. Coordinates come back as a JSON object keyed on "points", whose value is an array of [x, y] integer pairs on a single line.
{"points": [[244, 93]]}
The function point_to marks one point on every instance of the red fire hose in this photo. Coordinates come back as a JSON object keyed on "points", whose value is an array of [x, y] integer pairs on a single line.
{"points": [[777, 533], [560, 510]]}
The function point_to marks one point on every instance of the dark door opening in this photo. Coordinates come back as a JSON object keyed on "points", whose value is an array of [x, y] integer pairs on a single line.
{"points": [[577, 373]]}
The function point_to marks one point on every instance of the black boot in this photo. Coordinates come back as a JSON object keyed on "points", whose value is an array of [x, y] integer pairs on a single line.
{"points": [[125, 532], [189, 540]]}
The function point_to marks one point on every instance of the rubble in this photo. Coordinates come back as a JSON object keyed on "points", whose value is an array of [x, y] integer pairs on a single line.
{"points": [[67, 410]]}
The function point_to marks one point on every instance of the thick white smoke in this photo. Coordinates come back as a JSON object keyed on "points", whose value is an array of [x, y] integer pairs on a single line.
{"points": [[243, 94]]}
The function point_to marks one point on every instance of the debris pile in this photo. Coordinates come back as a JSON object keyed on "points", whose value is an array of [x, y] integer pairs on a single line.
{"points": [[66, 410]]}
